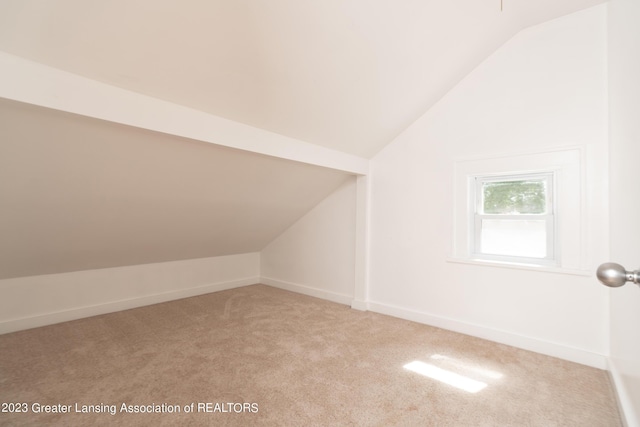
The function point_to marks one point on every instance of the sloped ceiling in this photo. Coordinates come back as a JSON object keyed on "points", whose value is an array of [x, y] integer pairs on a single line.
{"points": [[79, 193], [346, 74]]}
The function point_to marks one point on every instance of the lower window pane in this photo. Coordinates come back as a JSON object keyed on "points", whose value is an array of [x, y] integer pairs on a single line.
{"points": [[514, 238]]}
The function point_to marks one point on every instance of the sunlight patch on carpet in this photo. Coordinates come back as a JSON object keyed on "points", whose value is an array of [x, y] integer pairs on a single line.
{"points": [[462, 365], [456, 380]]}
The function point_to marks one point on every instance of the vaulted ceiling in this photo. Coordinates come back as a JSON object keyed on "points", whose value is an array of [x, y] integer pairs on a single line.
{"points": [[344, 76], [79, 193]]}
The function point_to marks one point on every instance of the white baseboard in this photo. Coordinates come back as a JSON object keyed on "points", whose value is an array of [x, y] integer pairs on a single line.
{"points": [[14, 325], [360, 305], [307, 290], [628, 404], [526, 343]]}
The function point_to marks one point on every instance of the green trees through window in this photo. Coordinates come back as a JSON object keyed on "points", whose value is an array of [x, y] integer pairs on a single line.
{"points": [[514, 197]]}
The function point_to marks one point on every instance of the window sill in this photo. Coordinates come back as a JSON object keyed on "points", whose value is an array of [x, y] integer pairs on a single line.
{"points": [[516, 266]]}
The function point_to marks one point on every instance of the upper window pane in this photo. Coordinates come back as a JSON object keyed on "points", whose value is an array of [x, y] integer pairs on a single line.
{"points": [[514, 197]]}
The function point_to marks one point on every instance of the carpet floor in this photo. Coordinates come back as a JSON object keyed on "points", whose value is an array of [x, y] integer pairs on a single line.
{"points": [[260, 356]]}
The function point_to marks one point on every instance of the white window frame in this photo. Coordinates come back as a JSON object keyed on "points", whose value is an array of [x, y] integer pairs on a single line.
{"points": [[570, 197], [476, 184]]}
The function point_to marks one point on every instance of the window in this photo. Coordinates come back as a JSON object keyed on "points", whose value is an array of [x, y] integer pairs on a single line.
{"points": [[513, 218], [522, 210]]}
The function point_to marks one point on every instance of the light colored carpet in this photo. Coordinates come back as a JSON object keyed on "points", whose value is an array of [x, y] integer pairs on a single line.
{"points": [[299, 361]]}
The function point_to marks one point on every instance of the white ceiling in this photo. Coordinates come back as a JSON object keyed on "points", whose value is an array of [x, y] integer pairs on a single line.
{"points": [[345, 74], [78, 193], [81, 193]]}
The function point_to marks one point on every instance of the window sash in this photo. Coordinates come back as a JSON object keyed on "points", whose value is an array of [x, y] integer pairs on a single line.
{"points": [[547, 177], [549, 234], [549, 219]]}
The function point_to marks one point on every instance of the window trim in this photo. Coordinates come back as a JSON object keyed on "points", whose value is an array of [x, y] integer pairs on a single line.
{"points": [[476, 217], [570, 164]]}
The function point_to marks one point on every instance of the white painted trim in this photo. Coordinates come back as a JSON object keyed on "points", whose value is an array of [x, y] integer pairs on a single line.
{"points": [[363, 233], [526, 343], [307, 290], [33, 83], [126, 304], [568, 163], [516, 266], [361, 305], [628, 410], [520, 153]]}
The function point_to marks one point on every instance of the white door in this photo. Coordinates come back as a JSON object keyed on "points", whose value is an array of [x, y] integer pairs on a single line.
{"points": [[624, 97]]}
